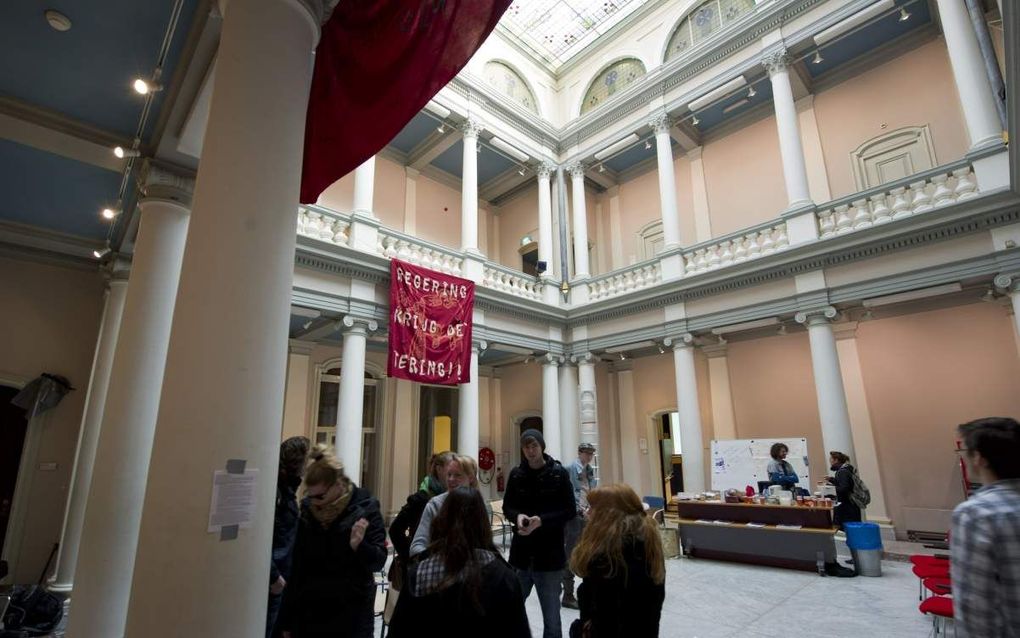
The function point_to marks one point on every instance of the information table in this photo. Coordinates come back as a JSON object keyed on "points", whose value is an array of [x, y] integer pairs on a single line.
{"points": [[790, 536]]}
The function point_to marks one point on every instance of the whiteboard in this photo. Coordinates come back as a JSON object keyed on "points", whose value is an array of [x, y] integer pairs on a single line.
{"points": [[737, 463]]}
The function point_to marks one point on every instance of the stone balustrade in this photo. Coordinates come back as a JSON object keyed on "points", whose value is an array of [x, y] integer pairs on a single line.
{"points": [[324, 225], [913, 196], [736, 248], [636, 277], [394, 245], [512, 282]]}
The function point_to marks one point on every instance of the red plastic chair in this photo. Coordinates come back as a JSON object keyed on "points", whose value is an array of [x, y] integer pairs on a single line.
{"points": [[941, 610], [929, 571], [928, 559], [938, 586]]}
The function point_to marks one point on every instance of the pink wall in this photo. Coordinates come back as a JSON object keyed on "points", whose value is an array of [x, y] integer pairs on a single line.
{"points": [[773, 392], [388, 196], [639, 205], [431, 220], [912, 89], [50, 324], [924, 374], [517, 218], [340, 194], [744, 177]]}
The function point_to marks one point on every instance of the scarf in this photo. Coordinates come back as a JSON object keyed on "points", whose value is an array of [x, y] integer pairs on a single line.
{"points": [[431, 485], [329, 512]]}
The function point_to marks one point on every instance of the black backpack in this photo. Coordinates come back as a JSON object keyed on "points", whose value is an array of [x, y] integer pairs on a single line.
{"points": [[33, 610]]}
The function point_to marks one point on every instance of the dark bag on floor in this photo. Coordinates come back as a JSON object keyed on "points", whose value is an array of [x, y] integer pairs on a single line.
{"points": [[34, 610]]}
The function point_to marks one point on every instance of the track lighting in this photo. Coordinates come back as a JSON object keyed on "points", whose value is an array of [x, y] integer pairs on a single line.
{"points": [[904, 14], [99, 253], [818, 58], [648, 145], [144, 87], [122, 152], [751, 92]]}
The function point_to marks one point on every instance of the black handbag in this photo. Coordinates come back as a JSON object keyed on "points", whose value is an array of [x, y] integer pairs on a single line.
{"points": [[33, 610]]}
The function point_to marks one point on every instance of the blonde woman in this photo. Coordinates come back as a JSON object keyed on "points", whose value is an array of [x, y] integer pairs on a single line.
{"points": [[341, 541], [620, 558], [461, 470]]}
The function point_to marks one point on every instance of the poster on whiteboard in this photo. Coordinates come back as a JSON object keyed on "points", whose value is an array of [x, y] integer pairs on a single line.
{"points": [[737, 463]]}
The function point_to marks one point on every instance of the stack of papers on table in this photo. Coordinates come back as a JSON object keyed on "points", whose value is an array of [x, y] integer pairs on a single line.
{"points": [[789, 526]]}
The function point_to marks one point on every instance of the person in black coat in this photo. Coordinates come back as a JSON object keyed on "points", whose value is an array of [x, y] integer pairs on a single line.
{"points": [[846, 511], [461, 582], [405, 523], [293, 453], [341, 542], [620, 558], [538, 502]]}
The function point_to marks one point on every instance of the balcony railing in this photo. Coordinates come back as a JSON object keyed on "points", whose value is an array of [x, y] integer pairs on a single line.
{"points": [[393, 244], [511, 281], [640, 275], [735, 248]]}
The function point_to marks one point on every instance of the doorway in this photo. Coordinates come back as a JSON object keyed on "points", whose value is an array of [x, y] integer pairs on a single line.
{"points": [[13, 428], [437, 423], [671, 460]]}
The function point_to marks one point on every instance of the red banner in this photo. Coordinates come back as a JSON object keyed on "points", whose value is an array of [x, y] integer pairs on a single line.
{"points": [[430, 325]]}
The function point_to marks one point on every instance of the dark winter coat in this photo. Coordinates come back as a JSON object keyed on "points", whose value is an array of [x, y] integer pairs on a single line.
{"points": [[625, 605], [285, 523], [548, 494], [846, 511], [500, 598], [404, 525], [332, 587]]}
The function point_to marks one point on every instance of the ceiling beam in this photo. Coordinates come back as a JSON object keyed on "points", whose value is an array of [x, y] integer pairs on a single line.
{"points": [[317, 329], [506, 181], [432, 147], [58, 134], [605, 179], [688, 137]]}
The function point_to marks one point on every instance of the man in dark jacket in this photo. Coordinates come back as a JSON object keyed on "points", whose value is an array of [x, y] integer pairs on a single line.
{"points": [[293, 453], [539, 500]]}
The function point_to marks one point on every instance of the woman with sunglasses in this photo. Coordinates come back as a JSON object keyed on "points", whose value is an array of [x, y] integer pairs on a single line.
{"points": [[341, 541]]}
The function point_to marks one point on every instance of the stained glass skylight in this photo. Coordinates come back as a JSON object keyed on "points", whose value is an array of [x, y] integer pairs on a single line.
{"points": [[556, 30]]}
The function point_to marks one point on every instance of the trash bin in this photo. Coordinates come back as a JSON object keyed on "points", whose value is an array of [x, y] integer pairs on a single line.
{"points": [[865, 543]]}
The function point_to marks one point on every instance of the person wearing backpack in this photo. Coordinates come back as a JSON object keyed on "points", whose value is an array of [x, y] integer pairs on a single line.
{"points": [[851, 494]]}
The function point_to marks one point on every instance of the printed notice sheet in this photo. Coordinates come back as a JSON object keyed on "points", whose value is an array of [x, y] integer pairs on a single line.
{"points": [[233, 499]]}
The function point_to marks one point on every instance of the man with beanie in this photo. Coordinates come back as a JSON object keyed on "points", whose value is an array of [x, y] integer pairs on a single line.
{"points": [[539, 501], [582, 480]]}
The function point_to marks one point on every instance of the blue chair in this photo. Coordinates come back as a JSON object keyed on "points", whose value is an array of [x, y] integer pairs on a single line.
{"points": [[655, 502]]}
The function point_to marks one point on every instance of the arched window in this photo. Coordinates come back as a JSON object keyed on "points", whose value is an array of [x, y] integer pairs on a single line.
{"points": [[504, 79], [704, 21], [613, 79]]}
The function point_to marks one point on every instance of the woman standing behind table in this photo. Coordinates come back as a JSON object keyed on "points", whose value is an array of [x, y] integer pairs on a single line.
{"points": [[779, 469], [846, 511], [620, 558], [341, 541]]}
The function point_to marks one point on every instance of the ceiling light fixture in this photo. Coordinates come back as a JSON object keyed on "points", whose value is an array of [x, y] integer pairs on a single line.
{"points": [[623, 357], [751, 92], [602, 168], [99, 253], [904, 14], [818, 58], [108, 213], [122, 152], [521, 171], [782, 330], [648, 144], [661, 349], [989, 296], [441, 128], [144, 87], [57, 20], [695, 121]]}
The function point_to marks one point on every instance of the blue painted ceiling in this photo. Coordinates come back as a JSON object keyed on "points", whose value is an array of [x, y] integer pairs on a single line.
{"points": [[414, 132]]}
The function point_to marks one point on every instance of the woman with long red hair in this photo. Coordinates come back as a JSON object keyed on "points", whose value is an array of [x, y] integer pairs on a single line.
{"points": [[620, 558]]}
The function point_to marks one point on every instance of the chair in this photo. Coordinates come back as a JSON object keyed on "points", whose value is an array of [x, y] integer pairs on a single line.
{"points": [[941, 609], [929, 571], [938, 586], [927, 559], [499, 523]]}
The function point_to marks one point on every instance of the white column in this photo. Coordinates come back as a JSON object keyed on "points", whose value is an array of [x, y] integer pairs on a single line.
{"points": [[724, 422], [467, 410], [1011, 283], [972, 83], [580, 223], [88, 435], [588, 414], [551, 405], [832, 407], [226, 366], [794, 170], [352, 394], [569, 431], [667, 181], [364, 187], [113, 513], [545, 219], [469, 189], [689, 412]]}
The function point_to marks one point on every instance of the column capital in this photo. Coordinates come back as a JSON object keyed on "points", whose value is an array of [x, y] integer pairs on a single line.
{"points": [[356, 325], [659, 122], [583, 357], [679, 342], [1010, 282], [550, 359], [478, 345], [816, 316], [158, 183], [776, 60], [576, 170], [471, 128], [544, 170]]}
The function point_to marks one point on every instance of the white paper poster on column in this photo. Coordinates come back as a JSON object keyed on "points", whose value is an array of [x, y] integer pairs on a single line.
{"points": [[737, 463], [233, 499]]}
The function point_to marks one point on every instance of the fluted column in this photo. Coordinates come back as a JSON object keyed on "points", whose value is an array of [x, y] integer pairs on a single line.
{"points": [[467, 412], [545, 220], [364, 187], [790, 148], [569, 434], [352, 394], [829, 391], [972, 85], [469, 188], [689, 413], [113, 512], [667, 181], [226, 367], [88, 435], [1011, 284], [582, 269], [551, 405]]}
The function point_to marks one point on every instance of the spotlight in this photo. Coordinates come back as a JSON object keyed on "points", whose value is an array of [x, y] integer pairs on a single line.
{"points": [[695, 121], [988, 296], [602, 168], [648, 144], [144, 87], [623, 357], [122, 152], [441, 128], [782, 330], [108, 213], [521, 171], [478, 149], [751, 92], [904, 14], [661, 349], [57, 20], [818, 58], [306, 324], [99, 253]]}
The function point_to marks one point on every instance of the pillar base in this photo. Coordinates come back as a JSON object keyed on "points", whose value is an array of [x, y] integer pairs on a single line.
{"points": [[364, 233], [473, 267], [579, 291], [991, 168], [550, 291], [672, 265], [801, 224]]}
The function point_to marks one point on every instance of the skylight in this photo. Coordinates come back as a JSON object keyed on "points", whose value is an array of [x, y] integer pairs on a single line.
{"points": [[556, 30]]}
